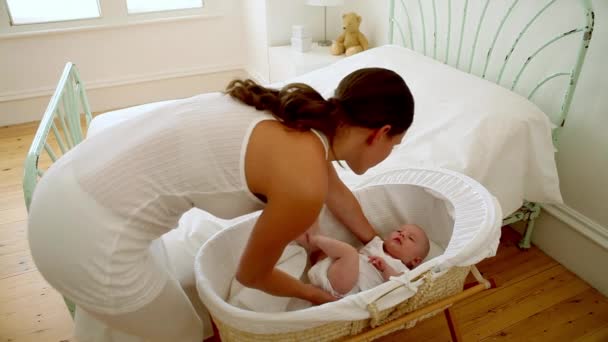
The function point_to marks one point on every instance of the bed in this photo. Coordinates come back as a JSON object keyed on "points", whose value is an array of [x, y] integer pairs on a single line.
{"points": [[490, 99]]}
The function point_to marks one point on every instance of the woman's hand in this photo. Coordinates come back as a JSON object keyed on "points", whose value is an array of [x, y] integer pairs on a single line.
{"points": [[318, 296]]}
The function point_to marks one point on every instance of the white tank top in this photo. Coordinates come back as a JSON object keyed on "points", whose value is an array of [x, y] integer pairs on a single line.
{"points": [[152, 169]]}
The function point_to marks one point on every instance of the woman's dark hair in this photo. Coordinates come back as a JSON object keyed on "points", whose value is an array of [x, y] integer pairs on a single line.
{"points": [[370, 98]]}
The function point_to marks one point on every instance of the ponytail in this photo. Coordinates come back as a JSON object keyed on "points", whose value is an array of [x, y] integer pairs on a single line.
{"points": [[296, 105], [368, 97]]}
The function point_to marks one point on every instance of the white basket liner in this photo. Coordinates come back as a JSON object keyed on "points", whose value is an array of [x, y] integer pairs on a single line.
{"points": [[456, 212]]}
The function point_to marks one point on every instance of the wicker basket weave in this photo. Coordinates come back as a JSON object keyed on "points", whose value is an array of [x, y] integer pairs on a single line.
{"points": [[432, 290]]}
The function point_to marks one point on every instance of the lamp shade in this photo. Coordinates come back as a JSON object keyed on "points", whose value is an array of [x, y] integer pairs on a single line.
{"points": [[325, 2]]}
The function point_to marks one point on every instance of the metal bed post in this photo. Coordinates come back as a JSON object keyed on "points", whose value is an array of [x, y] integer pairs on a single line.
{"points": [[529, 211], [62, 118]]}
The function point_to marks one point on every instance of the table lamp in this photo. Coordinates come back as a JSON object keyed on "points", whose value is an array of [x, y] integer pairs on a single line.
{"points": [[325, 3]]}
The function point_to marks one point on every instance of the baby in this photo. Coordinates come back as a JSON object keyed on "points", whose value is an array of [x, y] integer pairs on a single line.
{"points": [[343, 270]]}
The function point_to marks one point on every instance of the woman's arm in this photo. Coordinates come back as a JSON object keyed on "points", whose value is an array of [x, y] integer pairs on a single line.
{"points": [[289, 169], [344, 205], [285, 217]]}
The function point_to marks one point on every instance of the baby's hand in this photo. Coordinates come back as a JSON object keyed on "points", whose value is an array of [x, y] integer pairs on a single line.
{"points": [[377, 262]]}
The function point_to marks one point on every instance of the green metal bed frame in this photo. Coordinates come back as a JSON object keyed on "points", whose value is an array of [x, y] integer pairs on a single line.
{"points": [[68, 110], [64, 118], [529, 211]]}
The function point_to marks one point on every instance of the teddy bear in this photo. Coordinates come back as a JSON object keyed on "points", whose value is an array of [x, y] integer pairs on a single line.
{"points": [[351, 40]]}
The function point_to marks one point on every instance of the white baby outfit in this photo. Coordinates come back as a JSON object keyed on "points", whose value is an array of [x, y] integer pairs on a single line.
{"points": [[369, 276]]}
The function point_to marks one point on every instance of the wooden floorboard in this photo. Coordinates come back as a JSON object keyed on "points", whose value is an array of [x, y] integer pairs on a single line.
{"points": [[537, 299], [583, 313]]}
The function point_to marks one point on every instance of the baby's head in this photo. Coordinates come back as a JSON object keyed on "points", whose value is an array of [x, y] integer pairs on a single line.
{"points": [[409, 244]]}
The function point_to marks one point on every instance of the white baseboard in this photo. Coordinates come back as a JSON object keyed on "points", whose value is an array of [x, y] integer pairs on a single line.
{"points": [[131, 90], [579, 222], [575, 241]]}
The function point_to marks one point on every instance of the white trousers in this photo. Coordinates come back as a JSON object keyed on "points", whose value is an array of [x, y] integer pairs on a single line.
{"points": [[181, 245], [66, 240], [168, 317]]}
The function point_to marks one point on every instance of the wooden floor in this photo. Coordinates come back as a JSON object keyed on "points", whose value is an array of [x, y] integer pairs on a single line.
{"points": [[537, 299]]}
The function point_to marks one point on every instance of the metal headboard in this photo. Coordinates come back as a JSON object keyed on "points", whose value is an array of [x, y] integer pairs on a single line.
{"points": [[63, 117], [66, 114], [410, 18], [455, 43]]}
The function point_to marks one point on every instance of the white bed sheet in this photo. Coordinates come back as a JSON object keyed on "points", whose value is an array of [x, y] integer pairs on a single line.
{"points": [[462, 123]]}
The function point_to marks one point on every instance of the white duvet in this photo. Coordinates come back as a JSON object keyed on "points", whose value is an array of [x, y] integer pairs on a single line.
{"points": [[461, 123]]}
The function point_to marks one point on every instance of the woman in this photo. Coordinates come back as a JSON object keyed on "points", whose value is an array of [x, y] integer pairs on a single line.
{"points": [[98, 209]]}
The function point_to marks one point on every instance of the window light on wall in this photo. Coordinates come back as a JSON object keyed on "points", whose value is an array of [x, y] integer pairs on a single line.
{"points": [[144, 6], [23, 12], [44, 11]]}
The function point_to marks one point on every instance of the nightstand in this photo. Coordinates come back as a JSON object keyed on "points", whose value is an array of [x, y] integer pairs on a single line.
{"points": [[285, 63]]}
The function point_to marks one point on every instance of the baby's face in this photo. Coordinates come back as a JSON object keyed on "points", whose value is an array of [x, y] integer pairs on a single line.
{"points": [[409, 244]]}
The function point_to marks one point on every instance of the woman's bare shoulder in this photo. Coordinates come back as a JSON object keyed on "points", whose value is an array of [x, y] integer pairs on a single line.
{"points": [[279, 158]]}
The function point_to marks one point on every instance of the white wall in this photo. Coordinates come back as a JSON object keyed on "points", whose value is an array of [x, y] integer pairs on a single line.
{"points": [[269, 23], [580, 254], [583, 155], [582, 159], [283, 14], [256, 39], [149, 59], [583, 168]]}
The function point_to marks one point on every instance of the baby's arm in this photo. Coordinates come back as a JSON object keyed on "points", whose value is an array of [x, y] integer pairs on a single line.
{"points": [[385, 269]]}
